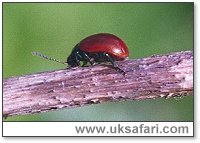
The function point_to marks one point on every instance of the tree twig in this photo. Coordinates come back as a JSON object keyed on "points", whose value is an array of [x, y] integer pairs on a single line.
{"points": [[153, 77]]}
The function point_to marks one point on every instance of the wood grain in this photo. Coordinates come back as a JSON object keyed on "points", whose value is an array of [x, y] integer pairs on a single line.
{"points": [[169, 75]]}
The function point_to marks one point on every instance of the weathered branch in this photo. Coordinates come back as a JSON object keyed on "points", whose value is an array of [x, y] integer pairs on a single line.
{"points": [[153, 77]]}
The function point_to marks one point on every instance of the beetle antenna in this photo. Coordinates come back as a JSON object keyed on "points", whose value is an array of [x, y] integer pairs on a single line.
{"points": [[46, 57]]}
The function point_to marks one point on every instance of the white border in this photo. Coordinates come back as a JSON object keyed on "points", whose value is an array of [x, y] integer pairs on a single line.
{"points": [[141, 140], [92, 129]]}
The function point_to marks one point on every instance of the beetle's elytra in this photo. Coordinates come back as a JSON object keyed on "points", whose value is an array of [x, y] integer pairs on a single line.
{"points": [[98, 48]]}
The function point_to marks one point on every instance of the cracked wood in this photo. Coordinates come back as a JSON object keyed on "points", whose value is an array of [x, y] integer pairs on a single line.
{"points": [[169, 75]]}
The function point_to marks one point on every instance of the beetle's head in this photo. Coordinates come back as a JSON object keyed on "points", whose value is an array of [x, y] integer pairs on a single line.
{"points": [[73, 61]]}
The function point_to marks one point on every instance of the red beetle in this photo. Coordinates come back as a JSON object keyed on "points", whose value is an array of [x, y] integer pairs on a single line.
{"points": [[102, 47]]}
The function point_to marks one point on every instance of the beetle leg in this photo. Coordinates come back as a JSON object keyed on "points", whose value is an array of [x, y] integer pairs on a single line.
{"points": [[86, 58], [115, 66], [76, 58]]}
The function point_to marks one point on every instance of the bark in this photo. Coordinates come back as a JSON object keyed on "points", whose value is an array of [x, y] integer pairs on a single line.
{"points": [[157, 76]]}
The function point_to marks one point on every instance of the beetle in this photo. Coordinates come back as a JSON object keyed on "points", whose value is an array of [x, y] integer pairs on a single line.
{"points": [[97, 48]]}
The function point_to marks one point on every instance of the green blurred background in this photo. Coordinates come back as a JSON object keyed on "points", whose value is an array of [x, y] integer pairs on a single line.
{"points": [[54, 29]]}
